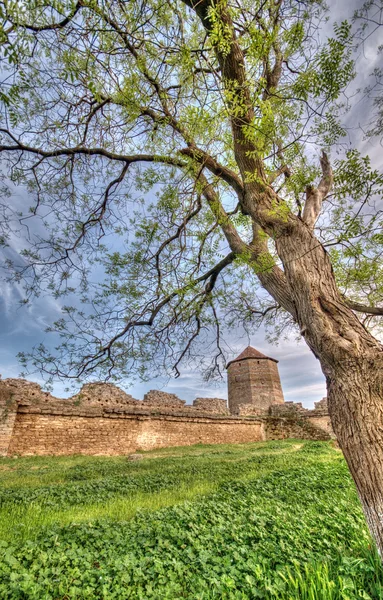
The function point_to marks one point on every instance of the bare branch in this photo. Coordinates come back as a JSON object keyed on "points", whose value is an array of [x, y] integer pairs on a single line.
{"points": [[315, 196], [90, 362], [126, 158], [362, 308]]}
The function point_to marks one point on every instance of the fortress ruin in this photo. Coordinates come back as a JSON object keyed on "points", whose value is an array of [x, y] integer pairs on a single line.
{"points": [[104, 420]]}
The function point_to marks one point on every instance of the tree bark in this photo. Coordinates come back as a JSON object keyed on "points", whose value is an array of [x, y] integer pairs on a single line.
{"points": [[355, 396], [351, 360]]}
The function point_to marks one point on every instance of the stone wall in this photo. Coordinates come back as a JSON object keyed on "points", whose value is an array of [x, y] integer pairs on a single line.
{"points": [[281, 428], [321, 407], [8, 412], [21, 390], [104, 420], [103, 394], [250, 410], [55, 430], [107, 395], [160, 399], [322, 422], [297, 421], [295, 409], [96, 432], [287, 409]]}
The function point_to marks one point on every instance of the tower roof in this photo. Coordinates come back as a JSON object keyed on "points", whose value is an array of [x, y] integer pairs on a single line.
{"points": [[248, 353]]}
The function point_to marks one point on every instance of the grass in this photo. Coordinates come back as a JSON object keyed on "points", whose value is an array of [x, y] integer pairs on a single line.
{"points": [[276, 520], [40, 491]]}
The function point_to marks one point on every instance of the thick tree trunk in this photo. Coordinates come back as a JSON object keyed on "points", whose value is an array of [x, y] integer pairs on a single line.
{"points": [[352, 361], [355, 395]]}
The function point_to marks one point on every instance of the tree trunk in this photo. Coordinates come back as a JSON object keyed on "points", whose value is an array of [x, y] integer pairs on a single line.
{"points": [[351, 360], [355, 395]]}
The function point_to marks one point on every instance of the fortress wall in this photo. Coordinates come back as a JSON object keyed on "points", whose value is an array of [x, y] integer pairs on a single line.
{"points": [[211, 405], [8, 412], [291, 419], [281, 428], [322, 422], [45, 431], [104, 420]]}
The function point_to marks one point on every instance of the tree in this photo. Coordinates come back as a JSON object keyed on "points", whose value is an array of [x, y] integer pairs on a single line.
{"points": [[192, 129]]}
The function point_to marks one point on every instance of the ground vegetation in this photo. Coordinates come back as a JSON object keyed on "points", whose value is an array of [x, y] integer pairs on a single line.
{"points": [[272, 520]]}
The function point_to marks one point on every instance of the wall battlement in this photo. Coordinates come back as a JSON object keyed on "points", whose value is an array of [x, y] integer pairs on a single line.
{"points": [[108, 395], [296, 408]]}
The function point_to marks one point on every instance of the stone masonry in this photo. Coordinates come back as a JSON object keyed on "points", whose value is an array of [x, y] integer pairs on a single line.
{"points": [[103, 394], [253, 380]]}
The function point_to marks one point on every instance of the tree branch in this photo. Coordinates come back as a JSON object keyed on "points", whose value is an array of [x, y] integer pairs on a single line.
{"points": [[315, 196], [272, 278], [215, 167], [51, 26], [232, 64], [368, 310], [231, 234], [126, 158], [283, 170], [90, 362]]}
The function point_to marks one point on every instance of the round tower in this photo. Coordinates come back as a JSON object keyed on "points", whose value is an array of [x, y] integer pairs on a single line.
{"points": [[253, 379]]}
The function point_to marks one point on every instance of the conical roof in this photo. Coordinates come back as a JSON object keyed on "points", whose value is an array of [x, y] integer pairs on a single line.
{"points": [[251, 352]]}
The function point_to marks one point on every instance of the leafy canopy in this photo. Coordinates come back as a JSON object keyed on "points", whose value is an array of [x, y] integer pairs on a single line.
{"points": [[116, 124]]}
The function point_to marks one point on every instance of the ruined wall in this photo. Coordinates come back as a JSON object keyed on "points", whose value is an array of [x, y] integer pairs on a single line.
{"points": [[103, 394], [254, 381], [281, 428], [107, 395], [12, 392], [318, 417], [21, 390], [215, 405], [288, 409], [104, 420], [250, 410], [93, 431], [323, 423], [293, 417], [163, 400]]}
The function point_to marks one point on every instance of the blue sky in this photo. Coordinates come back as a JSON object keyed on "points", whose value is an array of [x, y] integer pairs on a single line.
{"points": [[301, 376]]}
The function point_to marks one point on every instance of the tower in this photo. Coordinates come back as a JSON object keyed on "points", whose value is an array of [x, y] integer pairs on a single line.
{"points": [[253, 378]]}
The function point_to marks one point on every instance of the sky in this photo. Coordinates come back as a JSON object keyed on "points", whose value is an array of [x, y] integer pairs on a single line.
{"points": [[300, 372]]}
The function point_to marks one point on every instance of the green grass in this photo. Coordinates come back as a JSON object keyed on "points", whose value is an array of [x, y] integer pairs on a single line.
{"points": [[276, 520]]}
